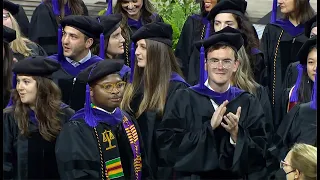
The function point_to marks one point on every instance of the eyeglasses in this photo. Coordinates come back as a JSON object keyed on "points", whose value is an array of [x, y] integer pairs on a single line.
{"points": [[6, 16], [109, 87], [283, 164], [226, 63]]}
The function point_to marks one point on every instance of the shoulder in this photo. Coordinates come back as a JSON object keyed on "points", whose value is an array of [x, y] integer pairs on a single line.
{"points": [[53, 57], [8, 117], [42, 7]]}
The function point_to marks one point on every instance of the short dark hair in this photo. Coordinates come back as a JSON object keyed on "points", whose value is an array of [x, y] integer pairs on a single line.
{"points": [[222, 45]]}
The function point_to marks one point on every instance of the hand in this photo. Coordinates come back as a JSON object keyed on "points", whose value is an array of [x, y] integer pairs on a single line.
{"points": [[218, 114], [232, 121]]}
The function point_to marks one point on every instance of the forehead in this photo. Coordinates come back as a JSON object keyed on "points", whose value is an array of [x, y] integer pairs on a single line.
{"points": [[141, 41], [127, 1], [5, 11], [224, 17], [313, 52], [222, 53], [24, 77], [72, 30], [110, 78], [288, 157]]}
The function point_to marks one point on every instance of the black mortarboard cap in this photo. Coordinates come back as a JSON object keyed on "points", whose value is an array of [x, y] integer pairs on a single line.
{"points": [[237, 7], [9, 34], [11, 7], [85, 24], [311, 23], [36, 66], [227, 35], [157, 31], [110, 23]]}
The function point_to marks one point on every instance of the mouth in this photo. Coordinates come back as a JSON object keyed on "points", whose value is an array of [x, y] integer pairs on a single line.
{"points": [[116, 99], [66, 48], [207, 5], [121, 47]]}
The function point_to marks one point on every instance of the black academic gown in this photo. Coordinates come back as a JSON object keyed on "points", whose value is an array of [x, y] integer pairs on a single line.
{"points": [[78, 153], [148, 123], [134, 26], [29, 157], [36, 50], [47, 37], [286, 53], [23, 21], [291, 75], [72, 87], [298, 126], [187, 142]]}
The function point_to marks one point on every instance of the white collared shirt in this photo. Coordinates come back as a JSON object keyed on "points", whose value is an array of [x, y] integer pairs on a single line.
{"points": [[96, 107], [215, 105], [78, 63]]}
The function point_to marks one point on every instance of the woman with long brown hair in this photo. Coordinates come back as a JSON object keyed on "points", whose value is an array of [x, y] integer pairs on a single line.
{"points": [[155, 78], [49, 14], [8, 36], [135, 14], [22, 47], [281, 40], [34, 120]]}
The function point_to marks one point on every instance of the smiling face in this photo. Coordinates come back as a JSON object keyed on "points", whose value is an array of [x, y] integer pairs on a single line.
{"points": [[312, 64], [223, 20], [75, 45], [221, 64], [27, 89], [132, 7], [115, 44], [209, 4], [141, 53], [107, 92]]}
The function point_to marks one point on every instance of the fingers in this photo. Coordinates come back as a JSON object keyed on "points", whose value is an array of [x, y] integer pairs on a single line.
{"points": [[224, 104], [238, 112]]}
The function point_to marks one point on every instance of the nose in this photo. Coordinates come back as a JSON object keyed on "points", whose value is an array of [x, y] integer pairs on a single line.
{"points": [[130, 6], [122, 40], [19, 86], [137, 52], [65, 40]]}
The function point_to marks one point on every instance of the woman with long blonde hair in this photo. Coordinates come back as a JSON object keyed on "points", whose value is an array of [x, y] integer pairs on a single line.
{"points": [[22, 47], [155, 78]]}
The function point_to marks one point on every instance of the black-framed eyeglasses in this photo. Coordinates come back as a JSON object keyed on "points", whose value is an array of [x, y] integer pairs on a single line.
{"points": [[109, 87], [283, 164]]}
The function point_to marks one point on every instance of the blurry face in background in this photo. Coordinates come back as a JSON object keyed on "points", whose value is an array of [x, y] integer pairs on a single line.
{"points": [[224, 19], [209, 4], [115, 44], [287, 6], [313, 32], [141, 53], [6, 19], [312, 64], [132, 7], [27, 89]]}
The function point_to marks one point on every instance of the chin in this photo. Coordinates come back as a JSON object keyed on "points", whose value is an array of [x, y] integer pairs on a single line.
{"points": [[141, 64]]}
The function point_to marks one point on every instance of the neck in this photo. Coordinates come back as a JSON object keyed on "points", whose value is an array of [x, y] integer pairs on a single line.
{"points": [[293, 19], [110, 56], [32, 107], [82, 55], [135, 17], [110, 110], [218, 88]]}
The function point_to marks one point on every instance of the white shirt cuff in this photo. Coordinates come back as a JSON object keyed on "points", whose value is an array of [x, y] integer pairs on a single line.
{"points": [[232, 142]]}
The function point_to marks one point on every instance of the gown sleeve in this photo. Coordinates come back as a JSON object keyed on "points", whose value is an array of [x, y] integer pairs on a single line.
{"points": [[184, 46], [265, 40], [75, 154], [9, 135], [181, 146], [251, 142], [23, 21]]}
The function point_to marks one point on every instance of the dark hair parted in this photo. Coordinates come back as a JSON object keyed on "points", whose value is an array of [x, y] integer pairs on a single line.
{"points": [[7, 69], [155, 77], [47, 109], [146, 12], [303, 11]]}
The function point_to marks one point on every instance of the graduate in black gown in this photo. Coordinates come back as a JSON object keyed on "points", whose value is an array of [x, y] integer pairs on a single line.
{"points": [[298, 126], [301, 91], [8, 36], [310, 30], [32, 123], [281, 41], [155, 78], [101, 141], [194, 29], [233, 13], [49, 14], [135, 14], [80, 33], [22, 47], [214, 130]]}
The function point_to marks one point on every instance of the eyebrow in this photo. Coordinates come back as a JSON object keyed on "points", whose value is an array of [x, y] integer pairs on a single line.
{"points": [[228, 59]]}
